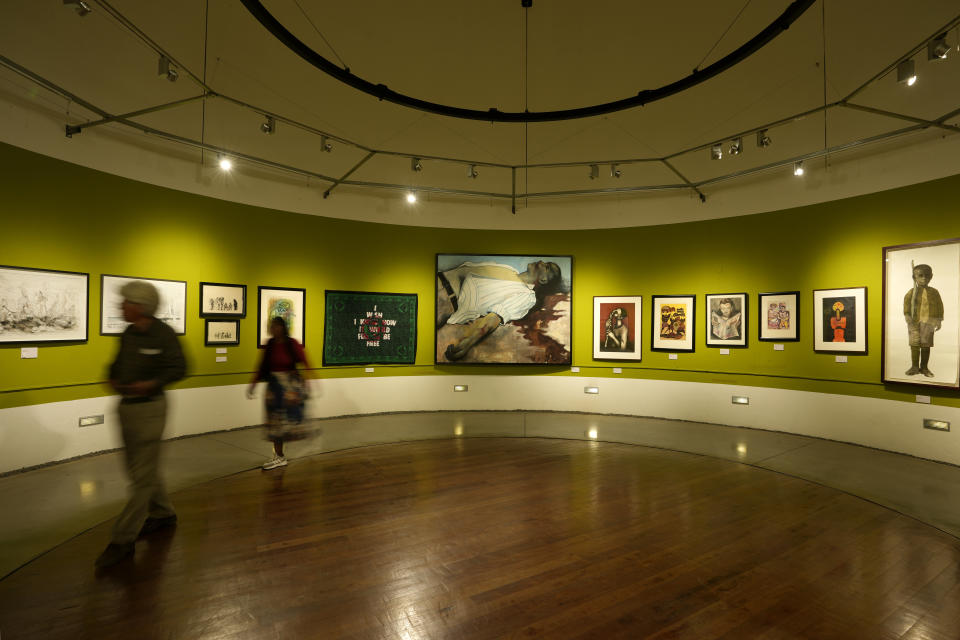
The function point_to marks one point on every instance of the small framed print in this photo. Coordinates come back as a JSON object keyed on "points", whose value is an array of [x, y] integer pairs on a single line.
{"points": [[921, 314], [616, 327], [221, 332], [673, 324], [840, 320], [779, 316], [283, 302], [727, 319], [172, 308], [223, 300]]}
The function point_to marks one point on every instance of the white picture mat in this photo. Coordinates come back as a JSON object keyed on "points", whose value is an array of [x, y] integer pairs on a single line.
{"points": [[28, 296], [222, 331], [635, 321], [211, 293], [296, 324], [790, 301], [740, 306], [172, 308], [860, 318], [668, 344], [945, 354]]}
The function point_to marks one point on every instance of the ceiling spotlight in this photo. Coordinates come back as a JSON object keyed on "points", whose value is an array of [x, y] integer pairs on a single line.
{"points": [[716, 152], [763, 140], [325, 144], [938, 48], [164, 68], [735, 146], [416, 165], [80, 6], [798, 168], [411, 197], [472, 171], [615, 171], [906, 74], [225, 162], [269, 127], [594, 171]]}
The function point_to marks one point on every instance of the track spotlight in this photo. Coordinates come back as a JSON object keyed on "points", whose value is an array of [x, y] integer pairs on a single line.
{"points": [[798, 168], [80, 6], [225, 163], [269, 126], [763, 140], [615, 171], [164, 68], [906, 74], [325, 144], [938, 48], [411, 197], [415, 164], [735, 146], [472, 171], [716, 152], [594, 171]]}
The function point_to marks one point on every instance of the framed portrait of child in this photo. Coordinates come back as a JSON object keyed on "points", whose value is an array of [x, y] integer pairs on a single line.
{"points": [[921, 304], [727, 319]]}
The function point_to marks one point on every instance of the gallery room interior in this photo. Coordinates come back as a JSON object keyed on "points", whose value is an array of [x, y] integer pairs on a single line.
{"points": [[620, 320]]}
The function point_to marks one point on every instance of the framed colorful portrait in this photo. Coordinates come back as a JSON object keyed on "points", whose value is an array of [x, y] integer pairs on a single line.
{"points": [[222, 332], [281, 302], [38, 305], [921, 314], [840, 320], [223, 300], [616, 327], [779, 316], [363, 327], [727, 315], [503, 309], [172, 308], [673, 323]]}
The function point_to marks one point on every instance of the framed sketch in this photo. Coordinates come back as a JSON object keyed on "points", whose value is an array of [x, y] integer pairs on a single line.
{"points": [[369, 328], [727, 319], [503, 309], [840, 320], [223, 300], [616, 327], [284, 302], [779, 316], [172, 308], [921, 313], [39, 305], [673, 323], [222, 332]]}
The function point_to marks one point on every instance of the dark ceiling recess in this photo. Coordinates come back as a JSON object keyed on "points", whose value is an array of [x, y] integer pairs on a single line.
{"points": [[645, 96]]}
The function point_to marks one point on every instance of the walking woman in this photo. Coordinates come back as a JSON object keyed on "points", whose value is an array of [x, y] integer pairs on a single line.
{"points": [[286, 389]]}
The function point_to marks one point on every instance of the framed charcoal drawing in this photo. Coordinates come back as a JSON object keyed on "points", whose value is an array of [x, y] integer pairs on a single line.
{"points": [[40, 305], [840, 320], [362, 327], [503, 309], [616, 327], [779, 316], [219, 300], [921, 314], [172, 308], [727, 315], [222, 332], [283, 302], [673, 323]]}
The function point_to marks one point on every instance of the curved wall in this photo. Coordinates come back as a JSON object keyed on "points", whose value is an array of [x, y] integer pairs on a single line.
{"points": [[62, 216]]}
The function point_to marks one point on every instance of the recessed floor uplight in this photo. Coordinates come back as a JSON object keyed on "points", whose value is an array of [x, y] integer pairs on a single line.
{"points": [[798, 168], [592, 433], [411, 197]]}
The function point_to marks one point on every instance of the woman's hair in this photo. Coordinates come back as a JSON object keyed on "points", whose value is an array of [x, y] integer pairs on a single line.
{"points": [[280, 321]]}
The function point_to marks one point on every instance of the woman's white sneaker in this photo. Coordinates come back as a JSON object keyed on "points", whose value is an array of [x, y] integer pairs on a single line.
{"points": [[279, 461]]}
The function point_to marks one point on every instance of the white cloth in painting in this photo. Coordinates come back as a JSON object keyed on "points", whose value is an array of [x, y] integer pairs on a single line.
{"points": [[480, 295]]}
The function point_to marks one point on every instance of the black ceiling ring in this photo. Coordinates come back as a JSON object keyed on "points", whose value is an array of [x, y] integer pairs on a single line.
{"points": [[646, 96]]}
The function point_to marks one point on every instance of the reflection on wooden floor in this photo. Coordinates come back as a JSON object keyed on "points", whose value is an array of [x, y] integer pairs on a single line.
{"points": [[501, 538]]}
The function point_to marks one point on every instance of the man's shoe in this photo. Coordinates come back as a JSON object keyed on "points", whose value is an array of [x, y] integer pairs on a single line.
{"points": [[912, 371], [926, 372], [278, 461], [152, 525], [114, 554]]}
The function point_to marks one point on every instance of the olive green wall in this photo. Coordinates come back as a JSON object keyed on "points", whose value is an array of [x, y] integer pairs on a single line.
{"points": [[61, 216]]}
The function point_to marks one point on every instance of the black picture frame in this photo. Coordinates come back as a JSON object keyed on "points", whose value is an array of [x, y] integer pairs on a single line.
{"points": [[25, 324], [664, 342], [791, 302], [212, 324], [173, 292], [212, 292], [741, 305], [825, 306], [298, 298]]}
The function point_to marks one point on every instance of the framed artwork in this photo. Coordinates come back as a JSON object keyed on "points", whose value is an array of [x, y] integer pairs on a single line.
{"points": [[727, 319], [921, 313], [673, 323], [369, 328], [284, 302], [222, 332], [840, 320], [779, 316], [223, 300], [172, 308], [39, 305], [503, 309], [616, 327]]}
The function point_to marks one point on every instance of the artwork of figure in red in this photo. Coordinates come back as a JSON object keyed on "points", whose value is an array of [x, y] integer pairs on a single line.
{"points": [[838, 322], [839, 319]]}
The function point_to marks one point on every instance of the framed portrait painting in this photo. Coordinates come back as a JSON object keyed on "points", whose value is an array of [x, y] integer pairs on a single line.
{"points": [[503, 309], [222, 332], [616, 327], [223, 300], [38, 305], [673, 323], [840, 320], [921, 314], [281, 302], [779, 316], [727, 319], [172, 308]]}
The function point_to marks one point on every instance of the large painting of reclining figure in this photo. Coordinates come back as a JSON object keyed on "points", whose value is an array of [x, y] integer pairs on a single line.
{"points": [[503, 309]]}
